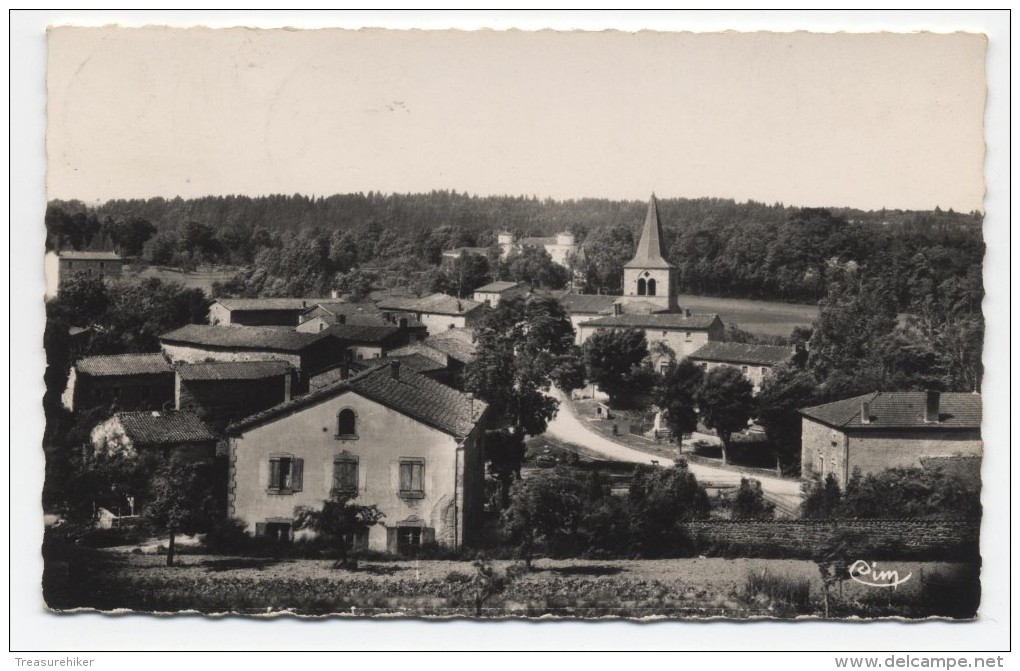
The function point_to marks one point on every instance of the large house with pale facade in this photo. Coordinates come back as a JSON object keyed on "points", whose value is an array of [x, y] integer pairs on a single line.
{"points": [[884, 430], [559, 247], [258, 311], [391, 436], [754, 361], [438, 312]]}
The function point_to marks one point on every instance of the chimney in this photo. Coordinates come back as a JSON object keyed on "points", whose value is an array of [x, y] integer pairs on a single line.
{"points": [[931, 407], [395, 369], [460, 308], [304, 304], [287, 386], [388, 317], [471, 401], [865, 412]]}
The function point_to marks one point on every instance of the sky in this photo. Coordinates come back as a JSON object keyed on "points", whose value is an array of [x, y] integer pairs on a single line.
{"points": [[859, 120]]}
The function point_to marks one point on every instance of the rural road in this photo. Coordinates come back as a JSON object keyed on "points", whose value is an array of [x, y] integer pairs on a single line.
{"points": [[567, 427]]}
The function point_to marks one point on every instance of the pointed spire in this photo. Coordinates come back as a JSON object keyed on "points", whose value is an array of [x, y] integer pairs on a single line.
{"points": [[649, 249]]}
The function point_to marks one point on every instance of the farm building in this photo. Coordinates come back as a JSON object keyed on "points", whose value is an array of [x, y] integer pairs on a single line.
{"points": [[437, 312], [126, 381], [453, 349], [62, 265], [221, 392], [754, 361], [559, 246], [399, 440], [492, 293], [884, 430], [682, 333], [163, 433], [258, 311]]}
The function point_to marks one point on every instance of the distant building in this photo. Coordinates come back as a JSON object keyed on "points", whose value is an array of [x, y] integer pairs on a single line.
{"points": [[258, 311], [163, 433], [754, 361], [394, 438], [884, 430], [648, 277], [559, 246], [221, 392], [124, 381], [492, 293], [682, 333], [324, 315], [451, 255], [101, 265], [585, 307], [452, 349], [307, 352], [437, 312], [369, 342]]}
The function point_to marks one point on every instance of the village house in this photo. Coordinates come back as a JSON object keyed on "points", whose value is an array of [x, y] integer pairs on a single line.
{"points": [[452, 349], [754, 361], [884, 430], [560, 246], [369, 342], [395, 438], [221, 392], [62, 265], [325, 315], [681, 334], [437, 312], [160, 433], [309, 353], [258, 311], [582, 308], [125, 381], [492, 293]]}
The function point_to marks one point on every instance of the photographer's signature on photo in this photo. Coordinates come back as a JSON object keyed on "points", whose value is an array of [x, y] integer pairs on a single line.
{"points": [[870, 575]]}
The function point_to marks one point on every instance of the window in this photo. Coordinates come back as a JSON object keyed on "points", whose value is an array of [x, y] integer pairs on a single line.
{"points": [[665, 334], [743, 369], [375, 355], [360, 356], [651, 287], [412, 478], [641, 287], [408, 539], [277, 531], [345, 474], [285, 474], [704, 365], [764, 370], [70, 264], [347, 424], [687, 336], [102, 265]]}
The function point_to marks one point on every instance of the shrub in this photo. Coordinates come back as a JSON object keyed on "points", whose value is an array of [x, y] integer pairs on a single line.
{"points": [[228, 536], [458, 577], [750, 503], [777, 591]]}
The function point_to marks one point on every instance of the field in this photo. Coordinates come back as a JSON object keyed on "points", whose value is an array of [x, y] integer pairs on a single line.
{"points": [[765, 317], [202, 278], [111, 580]]}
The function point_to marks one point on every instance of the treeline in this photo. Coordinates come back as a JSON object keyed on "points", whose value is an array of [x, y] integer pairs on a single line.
{"points": [[723, 248]]}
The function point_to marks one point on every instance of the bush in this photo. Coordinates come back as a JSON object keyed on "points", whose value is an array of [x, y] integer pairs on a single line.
{"points": [[750, 503], [458, 577], [228, 536], [778, 592]]}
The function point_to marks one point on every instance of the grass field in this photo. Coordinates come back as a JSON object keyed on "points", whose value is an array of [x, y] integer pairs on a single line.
{"points": [[765, 317], [110, 580], [199, 279]]}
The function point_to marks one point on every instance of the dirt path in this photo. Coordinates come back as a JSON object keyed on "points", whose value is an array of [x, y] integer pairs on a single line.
{"points": [[568, 427]]}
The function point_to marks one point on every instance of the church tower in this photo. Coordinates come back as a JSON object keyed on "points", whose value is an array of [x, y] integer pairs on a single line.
{"points": [[648, 277]]}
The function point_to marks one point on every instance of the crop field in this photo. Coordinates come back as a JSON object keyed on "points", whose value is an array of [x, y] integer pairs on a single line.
{"points": [[765, 317], [713, 587]]}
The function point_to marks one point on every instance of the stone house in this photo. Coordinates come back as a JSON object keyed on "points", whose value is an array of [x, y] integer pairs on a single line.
{"points": [[399, 440], [491, 293], [682, 333], [754, 361], [582, 308], [101, 265], [258, 311], [221, 392], [369, 342], [124, 381], [559, 246], [163, 433], [453, 349], [884, 430], [437, 312]]}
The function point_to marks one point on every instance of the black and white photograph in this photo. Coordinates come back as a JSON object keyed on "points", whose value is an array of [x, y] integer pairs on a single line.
{"points": [[514, 325]]}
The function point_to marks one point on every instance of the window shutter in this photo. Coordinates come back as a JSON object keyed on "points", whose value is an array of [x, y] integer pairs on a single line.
{"points": [[260, 529], [428, 535], [297, 474], [338, 479], [417, 477], [274, 473], [405, 476], [391, 540]]}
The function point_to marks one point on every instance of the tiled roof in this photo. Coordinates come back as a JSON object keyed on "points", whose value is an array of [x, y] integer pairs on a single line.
{"points": [[456, 343], [441, 304], [123, 364], [242, 337], [160, 428], [587, 303], [416, 362], [671, 320], [362, 334], [496, 287], [900, 410], [411, 394], [90, 256], [372, 316], [233, 370], [764, 355], [338, 307], [285, 304], [649, 249]]}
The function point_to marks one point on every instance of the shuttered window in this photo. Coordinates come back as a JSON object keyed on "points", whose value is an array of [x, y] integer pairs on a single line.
{"points": [[412, 478], [345, 474], [286, 475]]}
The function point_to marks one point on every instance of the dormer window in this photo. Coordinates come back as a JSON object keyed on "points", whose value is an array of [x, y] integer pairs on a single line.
{"points": [[347, 424]]}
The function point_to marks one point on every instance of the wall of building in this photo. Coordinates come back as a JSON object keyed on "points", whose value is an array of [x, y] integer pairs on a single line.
{"points": [[127, 392], [220, 402], [314, 324], [384, 437], [92, 268], [665, 286], [196, 354], [559, 252], [109, 437], [755, 374], [683, 343], [365, 352], [823, 451], [436, 323], [492, 297], [218, 314]]}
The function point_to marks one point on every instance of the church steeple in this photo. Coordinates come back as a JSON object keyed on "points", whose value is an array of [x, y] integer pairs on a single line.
{"points": [[649, 249]]}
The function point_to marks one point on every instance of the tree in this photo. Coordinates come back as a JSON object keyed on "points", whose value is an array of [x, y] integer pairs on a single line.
{"points": [[821, 499], [356, 284], [606, 250], [676, 396], [910, 493], [103, 480], [783, 392], [83, 300], [534, 266], [543, 508], [726, 402], [467, 273], [661, 499], [611, 357], [750, 503], [341, 521], [185, 497]]}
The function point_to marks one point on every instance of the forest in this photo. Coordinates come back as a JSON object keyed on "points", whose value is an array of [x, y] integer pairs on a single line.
{"points": [[304, 244]]}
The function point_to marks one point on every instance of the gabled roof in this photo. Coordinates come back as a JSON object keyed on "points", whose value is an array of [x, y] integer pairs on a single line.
{"points": [[497, 287], [339, 307], [233, 370], [267, 304], [409, 393], [416, 362], [437, 303], [90, 256], [362, 334], [161, 428], [458, 344], [674, 321], [243, 337], [649, 249], [734, 352], [587, 303], [123, 364], [900, 410]]}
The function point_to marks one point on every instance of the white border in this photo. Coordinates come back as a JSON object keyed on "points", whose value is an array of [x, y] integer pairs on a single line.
{"points": [[34, 629]]}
